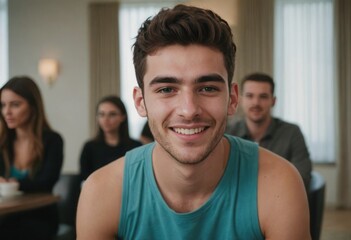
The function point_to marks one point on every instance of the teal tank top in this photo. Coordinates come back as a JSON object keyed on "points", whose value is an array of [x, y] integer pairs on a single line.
{"points": [[230, 212], [18, 174]]}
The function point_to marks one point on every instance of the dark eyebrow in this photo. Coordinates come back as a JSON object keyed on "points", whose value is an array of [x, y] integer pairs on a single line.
{"points": [[202, 79], [210, 78], [157, 80]]}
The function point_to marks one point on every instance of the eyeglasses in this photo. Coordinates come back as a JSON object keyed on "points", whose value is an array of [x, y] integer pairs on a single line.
{"points": [[108, 115]]}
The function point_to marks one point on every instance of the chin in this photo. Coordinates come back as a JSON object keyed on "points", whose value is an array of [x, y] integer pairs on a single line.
{"points": [[195, 156], [11, 126], [257, 120], [108, 130], [191, 162]]}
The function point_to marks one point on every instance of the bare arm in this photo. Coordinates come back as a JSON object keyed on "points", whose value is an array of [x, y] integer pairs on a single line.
{"points": [[99, 203], [282, 200]]}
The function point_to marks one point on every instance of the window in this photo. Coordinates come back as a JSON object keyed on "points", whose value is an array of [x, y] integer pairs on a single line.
{"points": [[131, 16], [304, 72], [3, 42]]}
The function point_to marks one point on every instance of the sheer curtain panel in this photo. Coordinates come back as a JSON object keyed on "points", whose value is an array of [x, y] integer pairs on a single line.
{"points": [[305, 72]]}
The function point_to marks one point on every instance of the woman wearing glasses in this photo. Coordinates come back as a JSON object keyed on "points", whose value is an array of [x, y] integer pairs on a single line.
{"points": [[112, 139]]}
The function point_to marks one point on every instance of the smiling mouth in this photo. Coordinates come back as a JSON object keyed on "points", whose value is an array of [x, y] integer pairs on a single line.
{"points": [[256, 109], [189, 131]]}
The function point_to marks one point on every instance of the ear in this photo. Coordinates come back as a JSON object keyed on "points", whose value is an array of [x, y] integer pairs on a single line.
{"points": [[274, 101], [233, 99], [139, 102]]}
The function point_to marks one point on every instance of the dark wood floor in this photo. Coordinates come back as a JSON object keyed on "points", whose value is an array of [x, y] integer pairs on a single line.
{"points": [[336, 225]]}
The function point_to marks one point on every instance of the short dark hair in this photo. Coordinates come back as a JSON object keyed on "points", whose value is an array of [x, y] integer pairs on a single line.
{"points": [[258, 77], [183, 25]]}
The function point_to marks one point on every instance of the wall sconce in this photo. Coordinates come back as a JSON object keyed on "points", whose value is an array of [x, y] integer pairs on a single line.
{"points": [[48, 69]]}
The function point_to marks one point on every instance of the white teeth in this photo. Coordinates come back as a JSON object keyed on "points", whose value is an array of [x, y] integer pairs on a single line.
{"points": [[187, 131]]}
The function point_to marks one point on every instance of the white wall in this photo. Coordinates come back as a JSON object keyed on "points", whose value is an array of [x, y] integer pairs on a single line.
{"points": [[58, 29]]}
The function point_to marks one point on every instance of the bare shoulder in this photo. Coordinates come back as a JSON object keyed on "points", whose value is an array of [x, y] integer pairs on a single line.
{"points": [[282, 200], [100, 202]]}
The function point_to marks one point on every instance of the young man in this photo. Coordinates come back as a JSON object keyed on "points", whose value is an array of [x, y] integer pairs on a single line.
{"points": [[280, 137], [193, 182]]}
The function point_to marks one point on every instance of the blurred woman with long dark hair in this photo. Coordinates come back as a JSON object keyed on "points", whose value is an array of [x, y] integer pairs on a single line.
{"points": [[31, 154]]}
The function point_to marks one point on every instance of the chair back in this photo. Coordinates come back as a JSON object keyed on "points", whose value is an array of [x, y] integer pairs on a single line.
{"points": [[316, 199], [68, 188]]}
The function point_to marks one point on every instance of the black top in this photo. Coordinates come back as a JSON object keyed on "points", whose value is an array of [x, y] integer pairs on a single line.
{"points": [[96, 154], [50, 169], [32, 224]]}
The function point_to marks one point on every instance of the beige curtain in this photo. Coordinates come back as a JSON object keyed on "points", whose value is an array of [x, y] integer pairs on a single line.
{"points": [[343, 29], [254, 39], [104, 54]]}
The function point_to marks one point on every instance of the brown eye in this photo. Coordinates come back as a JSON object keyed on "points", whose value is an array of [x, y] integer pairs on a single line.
{"points": [[209, 89], [165, 90]]}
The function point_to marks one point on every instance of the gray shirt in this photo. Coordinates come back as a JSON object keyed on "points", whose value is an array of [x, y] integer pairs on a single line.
{"points": [[284, 139]]}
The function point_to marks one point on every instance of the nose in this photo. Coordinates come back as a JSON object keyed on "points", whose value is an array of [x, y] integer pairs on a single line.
{"points": [[5, 110], [189, 105], [256, 100]]}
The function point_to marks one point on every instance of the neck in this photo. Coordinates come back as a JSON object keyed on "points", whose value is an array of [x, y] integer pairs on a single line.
{"points": [[185, 187], [111, 138], [258, 129], [22, 134]]}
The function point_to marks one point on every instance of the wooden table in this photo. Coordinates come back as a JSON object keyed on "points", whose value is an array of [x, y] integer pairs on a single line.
{"points": [[26, 201]]}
